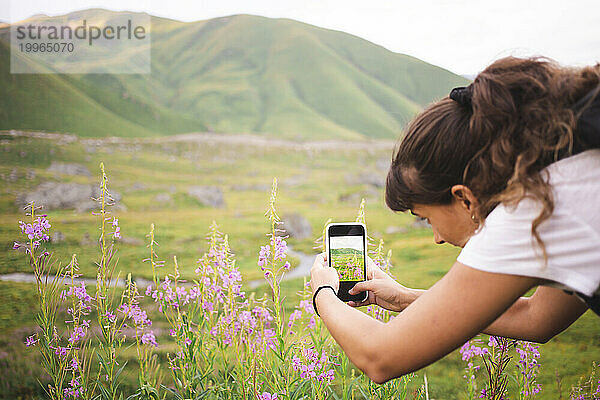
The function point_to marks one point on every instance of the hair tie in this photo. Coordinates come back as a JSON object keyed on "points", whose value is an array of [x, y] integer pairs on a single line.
{"points": [[462, 95]]}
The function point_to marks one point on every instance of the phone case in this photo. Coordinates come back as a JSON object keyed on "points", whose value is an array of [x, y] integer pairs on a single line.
{"points": [[346, 285]]}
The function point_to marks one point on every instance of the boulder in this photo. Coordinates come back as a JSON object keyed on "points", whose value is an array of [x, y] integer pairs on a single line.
{"points": [[356, 196], [296, 226], [68, 169], [132, 241], [383, 164], [376, 180], [55, 195], [86, 240], [391, 230], [420, 223], [57, 237], [211, 196], [135, 186], [162, 198], [243, 187]]}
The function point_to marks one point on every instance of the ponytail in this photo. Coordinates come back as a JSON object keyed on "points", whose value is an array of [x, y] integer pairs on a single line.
{"points": [[520, 115]]}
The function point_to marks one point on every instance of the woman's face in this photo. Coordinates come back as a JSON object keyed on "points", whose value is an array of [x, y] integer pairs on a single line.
{"points": [[450, 223]]}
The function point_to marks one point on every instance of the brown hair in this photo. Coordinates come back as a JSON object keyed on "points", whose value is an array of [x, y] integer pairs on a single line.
{"points": [[519, 121]]}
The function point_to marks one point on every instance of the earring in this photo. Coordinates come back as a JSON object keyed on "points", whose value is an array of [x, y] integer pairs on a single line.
{"points": [[473, 218]]}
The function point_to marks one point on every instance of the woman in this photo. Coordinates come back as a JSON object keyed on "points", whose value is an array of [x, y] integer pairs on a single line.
{"points": [[504, 169]]}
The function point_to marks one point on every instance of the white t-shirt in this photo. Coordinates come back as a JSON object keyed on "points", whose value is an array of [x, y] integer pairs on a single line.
{"points": [[571, 234]]}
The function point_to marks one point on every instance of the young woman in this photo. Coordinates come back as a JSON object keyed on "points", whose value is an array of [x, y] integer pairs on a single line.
{"points": [[505, 169]]}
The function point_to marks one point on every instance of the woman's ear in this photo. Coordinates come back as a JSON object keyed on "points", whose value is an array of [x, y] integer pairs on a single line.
{"points": [[463, 196]]}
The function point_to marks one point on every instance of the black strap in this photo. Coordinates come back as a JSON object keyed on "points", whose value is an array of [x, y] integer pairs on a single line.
{"points": [[592, 302], [317, 292]]}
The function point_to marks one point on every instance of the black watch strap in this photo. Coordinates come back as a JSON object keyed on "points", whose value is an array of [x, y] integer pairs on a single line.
{"points": [[317, 292]]}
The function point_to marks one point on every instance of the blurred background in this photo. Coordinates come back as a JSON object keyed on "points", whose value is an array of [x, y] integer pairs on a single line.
{"points": [[234, 94]]}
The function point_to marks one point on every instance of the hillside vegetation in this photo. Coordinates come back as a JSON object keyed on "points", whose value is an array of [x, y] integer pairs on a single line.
{"points": [[241, 73]]}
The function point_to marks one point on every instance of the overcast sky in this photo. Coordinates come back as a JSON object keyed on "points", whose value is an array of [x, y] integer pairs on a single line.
{"points": [[462, 36], [341, 242]]}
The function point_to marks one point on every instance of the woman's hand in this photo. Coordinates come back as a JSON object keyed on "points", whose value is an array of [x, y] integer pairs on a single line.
{"points": [[383, 290], [322, 274]]}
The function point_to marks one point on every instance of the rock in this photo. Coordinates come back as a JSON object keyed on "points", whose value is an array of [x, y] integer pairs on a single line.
{"points": [[246, 187], [367, 178], [294, 181], [131, 241], [296, 226], [86, 240], [420, 223], [356, 196], [211, 196], [54, 195], [13, 175], [68, 169], [391, 230], [162, 198], [137, 186], [383, 164], [57, 237]]}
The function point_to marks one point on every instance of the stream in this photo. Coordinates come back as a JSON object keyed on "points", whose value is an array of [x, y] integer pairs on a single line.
{"points": [[303, 269]]}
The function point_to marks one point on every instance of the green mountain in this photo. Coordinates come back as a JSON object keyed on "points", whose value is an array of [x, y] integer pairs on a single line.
{"points": [[241, 73], [345, 250]]}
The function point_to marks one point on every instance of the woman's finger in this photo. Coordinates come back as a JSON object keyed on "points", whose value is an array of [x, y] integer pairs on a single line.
{"points": [[358, 304], [319, 261]]}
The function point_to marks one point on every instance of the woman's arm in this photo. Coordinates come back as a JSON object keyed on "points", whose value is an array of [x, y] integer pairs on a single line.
{"points": [[460, 305], [538, 318]]}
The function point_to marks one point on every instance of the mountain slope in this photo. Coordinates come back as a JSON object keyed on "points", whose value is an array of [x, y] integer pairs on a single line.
{"points": [[245, 73]]}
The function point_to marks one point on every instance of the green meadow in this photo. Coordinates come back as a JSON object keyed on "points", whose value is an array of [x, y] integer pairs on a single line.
{"points": [[318, 180]]}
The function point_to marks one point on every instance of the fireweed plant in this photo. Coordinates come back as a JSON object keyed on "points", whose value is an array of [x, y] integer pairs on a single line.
{"points": [[587, 388], [496, 358], [224, 344]]}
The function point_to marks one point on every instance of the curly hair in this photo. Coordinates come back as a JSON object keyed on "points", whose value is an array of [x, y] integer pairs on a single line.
{"points": [[519, 121]]}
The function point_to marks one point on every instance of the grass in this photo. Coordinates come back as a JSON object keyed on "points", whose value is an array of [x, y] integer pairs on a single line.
{"points": [[182, 223]]}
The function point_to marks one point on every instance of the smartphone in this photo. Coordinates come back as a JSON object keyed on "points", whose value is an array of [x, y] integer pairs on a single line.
{"points": [[346, 253]]}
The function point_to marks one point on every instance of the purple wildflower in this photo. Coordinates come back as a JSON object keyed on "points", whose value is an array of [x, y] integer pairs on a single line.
{"points": [[61, 351], [279, 247], [110, 316], [149, 338], [135, 313], [313, 365], [268, 396], [30, 341], [528, 366], [77, 334], [296, 315], [36, 231], [74, 389], [469, 350], [263, 255]]}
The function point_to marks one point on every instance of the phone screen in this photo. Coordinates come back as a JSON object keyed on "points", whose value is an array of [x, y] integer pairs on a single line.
{"points": [[348, 257], [346, 253]]}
